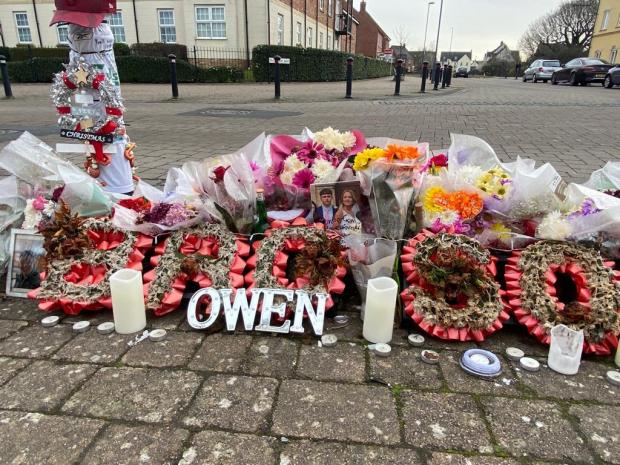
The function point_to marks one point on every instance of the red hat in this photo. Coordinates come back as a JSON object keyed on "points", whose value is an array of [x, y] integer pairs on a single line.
{"points": [[86, 13]]}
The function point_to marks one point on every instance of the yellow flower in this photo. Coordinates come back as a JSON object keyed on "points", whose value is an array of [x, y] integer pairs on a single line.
{"points": [[363, 159], [435, 200], [502, 231]]}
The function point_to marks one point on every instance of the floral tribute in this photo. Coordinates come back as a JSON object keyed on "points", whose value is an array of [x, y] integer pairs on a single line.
{"points": [[207, 254], [452, 292], [551, 283], [450, 212], [298, 256], [79, 267]]}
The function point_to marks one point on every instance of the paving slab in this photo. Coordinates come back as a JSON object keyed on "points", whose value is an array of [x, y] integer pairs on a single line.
{"points": [[351, 332], [169, 321], [238, 403], [331, 453], [439, 458], [405, 367], [20, 309], [460, 381], [149, 395], [344, 362], [222, 448], [92, 347], [344, 412], [271, 356], [588, 384], [514, 337], [444, 421], [8, 327], [175, 351], [599, 424], [221, 353], [535, 429], [435, 343], [34, 438], [132, 445], [43, 385], [94, 318], [36, 341], [10, 366]]}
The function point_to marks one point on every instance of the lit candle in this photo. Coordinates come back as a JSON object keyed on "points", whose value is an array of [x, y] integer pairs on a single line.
{"points": [[128, 301], [380, 308]]}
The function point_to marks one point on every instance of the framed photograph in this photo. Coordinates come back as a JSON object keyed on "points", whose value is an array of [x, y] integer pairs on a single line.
{"points": [[342, 207], [26, 262]]}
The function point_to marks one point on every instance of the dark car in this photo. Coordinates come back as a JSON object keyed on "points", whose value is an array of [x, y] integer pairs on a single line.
{"points": [[613, 77], [582, 71], [461, 72]]}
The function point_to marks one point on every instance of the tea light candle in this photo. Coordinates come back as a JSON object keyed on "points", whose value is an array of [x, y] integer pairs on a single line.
{"points": [[381, 350], [128, 301], [158, 335], [329, 340], [529, 364], [50, 321], [105, 328], [613, 377], [416, 340], [515, 354], [81, 326], [380, 308]]}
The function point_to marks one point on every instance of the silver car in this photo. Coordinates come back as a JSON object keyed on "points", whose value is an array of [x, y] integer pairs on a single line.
{"points": [[541, 70]]}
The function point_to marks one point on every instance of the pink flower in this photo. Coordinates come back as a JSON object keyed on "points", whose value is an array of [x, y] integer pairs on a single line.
{"points": [[303, 179], [309, 152], [440, 160], [39, 203]]}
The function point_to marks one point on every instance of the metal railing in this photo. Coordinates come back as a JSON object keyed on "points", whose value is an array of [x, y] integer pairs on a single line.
{"points": [[210, 57]]}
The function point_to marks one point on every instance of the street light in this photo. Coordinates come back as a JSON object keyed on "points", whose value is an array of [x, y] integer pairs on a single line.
{"points": [[438, 30], [428, 10]]}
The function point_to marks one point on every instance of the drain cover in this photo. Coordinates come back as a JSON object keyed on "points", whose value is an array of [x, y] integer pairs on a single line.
{"points": [[239, 113]]}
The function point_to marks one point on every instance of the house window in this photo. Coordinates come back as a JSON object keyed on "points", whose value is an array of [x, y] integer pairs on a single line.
{"points": [[330, 7], [309, 37], [597, 54], [280, 30], [211, 22], [321, 40], [167, 29], [63, 33], [329, 41], [299, 38], [321, 4], [115, 20], [605, 21], [613, 56], [23, 28]]}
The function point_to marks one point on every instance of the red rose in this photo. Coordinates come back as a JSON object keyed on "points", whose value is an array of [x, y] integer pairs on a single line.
{"points": [[218, 173], [440, 160]]}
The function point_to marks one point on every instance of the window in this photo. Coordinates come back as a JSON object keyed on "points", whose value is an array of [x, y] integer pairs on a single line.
{"points": [[23, 28], [618, 23], [321, 4], [605, 21], [321, 40], [63, 33], [613, 56], [116, 25], [211, 22], [597, 54], [299, 39], [167, 29], [280, 30], [329, 41], [309, 37], [330, 5]]}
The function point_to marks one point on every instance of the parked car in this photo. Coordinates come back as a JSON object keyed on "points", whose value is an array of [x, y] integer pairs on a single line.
{"points": [[461, 72], [613, 77], [582, 71], [541, 70]]}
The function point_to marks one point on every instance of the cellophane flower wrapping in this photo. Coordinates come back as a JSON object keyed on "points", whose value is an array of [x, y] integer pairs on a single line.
{"points": [[605, 179]]}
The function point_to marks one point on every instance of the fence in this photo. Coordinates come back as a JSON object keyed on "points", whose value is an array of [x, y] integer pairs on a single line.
{"points": [[229, 57]]}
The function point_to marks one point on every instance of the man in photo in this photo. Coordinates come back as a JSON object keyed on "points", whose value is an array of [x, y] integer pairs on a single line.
{"points": [[325, 212], [28, 275]]}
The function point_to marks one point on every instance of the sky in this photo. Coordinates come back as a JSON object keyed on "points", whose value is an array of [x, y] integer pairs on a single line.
{"points": [[479, 25]]}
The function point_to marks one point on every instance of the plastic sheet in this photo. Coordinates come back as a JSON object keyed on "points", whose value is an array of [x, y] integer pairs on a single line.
{"points": [[607, 178]]}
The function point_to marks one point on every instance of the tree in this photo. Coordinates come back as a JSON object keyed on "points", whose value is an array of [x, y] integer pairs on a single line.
{"points": [[401, 35], [571, 26]]}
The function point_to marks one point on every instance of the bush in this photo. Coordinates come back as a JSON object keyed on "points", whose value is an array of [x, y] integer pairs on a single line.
{"points": [[159, 49], [130, 68], [23, 53], [500, 68], [121, 49], [313, 64]]}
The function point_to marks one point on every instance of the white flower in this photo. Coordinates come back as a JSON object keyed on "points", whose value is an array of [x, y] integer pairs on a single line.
{"points": [[332, 139], [49, 209], [292, 165], [446, 217], [31, 216], [322, 169], [468, 174], [554, 226]]}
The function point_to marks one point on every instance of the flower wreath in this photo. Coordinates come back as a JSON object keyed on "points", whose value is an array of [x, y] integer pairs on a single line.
{"points": [[207, 254], [271, 260], [79, 76], [551, 283], [452, 291], [80, 284]]}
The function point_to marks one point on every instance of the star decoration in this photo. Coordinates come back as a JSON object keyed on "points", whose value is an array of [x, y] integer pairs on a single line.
{"points": [[81, 75], [86, 123]]}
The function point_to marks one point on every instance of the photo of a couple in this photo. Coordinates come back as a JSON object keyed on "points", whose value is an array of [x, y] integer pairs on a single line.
{"points": [[339, 207]]}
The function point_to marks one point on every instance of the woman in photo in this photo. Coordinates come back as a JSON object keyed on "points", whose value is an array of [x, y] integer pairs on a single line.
{"points": [[346, 220]]}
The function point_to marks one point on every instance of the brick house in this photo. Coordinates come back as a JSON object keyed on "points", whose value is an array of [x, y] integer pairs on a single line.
{"points": [[371, 39]]}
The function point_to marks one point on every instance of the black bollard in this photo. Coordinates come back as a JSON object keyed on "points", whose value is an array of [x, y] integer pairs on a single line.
{"points": [[399, 73], [349, 77], [449, 76], [8, 93], [276, 76], [424, 76], [444, 76], [173, 75], [436, 73]]}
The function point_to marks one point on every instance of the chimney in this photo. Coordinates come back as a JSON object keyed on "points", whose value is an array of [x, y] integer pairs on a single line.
{"points": [[363, 6]]}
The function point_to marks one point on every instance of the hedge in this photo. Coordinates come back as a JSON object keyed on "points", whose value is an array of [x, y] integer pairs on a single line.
{"points": [[23, 53], [313, 64], [130, 68], [159, 49]]}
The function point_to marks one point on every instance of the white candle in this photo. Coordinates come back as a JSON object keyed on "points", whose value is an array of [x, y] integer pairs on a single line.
{"points": [[617, 359], [379, 310], [128, 301]]}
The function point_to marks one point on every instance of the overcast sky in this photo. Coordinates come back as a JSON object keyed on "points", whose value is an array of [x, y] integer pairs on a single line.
{"points": [[479, 25]]}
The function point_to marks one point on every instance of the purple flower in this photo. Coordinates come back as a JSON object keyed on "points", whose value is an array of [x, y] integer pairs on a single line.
{"points": [[309, 152], [303, 178]]}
